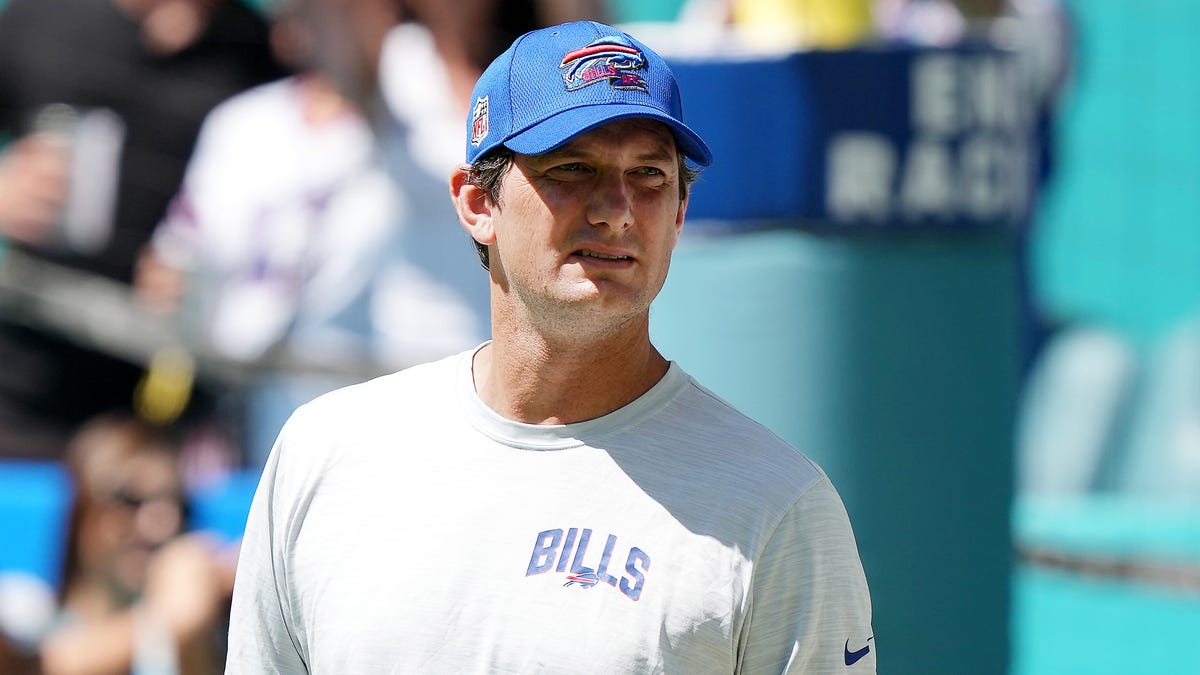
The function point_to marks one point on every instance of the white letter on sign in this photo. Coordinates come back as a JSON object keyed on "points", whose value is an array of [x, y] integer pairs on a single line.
{"points": [[860, 169]]}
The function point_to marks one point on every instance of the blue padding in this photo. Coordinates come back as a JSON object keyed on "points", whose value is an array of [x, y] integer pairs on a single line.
{"points": [[221, 508], [756, 118], [35, 498]]}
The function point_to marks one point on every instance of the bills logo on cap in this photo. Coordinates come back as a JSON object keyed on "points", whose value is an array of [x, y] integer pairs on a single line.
{"points": [[610, 59], [479, 120]]}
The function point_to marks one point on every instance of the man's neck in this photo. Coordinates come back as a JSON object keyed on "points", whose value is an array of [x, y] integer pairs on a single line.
{"points": [[530, 379]]}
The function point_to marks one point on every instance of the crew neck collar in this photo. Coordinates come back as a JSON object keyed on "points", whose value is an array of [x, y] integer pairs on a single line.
{"points": [[558, 436]]}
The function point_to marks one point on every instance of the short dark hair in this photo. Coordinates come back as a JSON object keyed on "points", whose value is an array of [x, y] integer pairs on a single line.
{"points": [[487, 174]]}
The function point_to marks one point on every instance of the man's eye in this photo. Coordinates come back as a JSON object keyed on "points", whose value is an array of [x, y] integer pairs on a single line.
{"points": [[652, 171], [569, 172]]}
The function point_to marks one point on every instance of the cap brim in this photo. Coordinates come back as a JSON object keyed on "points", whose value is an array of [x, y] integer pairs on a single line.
{"points": [[556, 130]]}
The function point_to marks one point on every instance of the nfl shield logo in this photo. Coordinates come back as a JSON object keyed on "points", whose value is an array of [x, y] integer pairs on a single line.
{"points": [[479, 121]]}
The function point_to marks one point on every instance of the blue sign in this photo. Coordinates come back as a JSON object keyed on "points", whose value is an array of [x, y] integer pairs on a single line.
{"points": [[885, 137]]}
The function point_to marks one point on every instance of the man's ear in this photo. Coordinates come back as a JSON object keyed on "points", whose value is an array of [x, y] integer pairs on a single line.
{"points": [[683, 204], [473, 205]]}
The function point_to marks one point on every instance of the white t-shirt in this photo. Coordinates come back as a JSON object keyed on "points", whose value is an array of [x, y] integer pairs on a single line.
{"points": [[402, 526]]}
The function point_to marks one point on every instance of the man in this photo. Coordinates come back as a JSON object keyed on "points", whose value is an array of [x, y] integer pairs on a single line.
{"points": [[563, 498]]}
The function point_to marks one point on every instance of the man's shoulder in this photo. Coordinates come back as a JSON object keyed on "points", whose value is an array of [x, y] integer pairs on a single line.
{"points": [[732, 439], [703, 407], [385, 396]]}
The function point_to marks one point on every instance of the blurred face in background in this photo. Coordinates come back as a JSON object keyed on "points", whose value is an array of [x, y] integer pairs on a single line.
{"points": [[132, 502], [293, 35], [344, 39], [169, 25]]}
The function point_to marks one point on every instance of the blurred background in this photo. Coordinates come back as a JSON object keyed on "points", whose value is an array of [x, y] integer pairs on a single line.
{"points": [[947, 249]]}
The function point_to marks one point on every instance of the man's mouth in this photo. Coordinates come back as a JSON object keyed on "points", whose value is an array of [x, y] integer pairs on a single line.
{"points": [[602, 256]]}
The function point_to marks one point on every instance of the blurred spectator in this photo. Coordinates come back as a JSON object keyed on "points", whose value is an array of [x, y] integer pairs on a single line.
{"points": [[788, 24], [314, 218], [468, 35], [283, 214], [282, 209], [424, 302], [26, 610], [137, 595], [14, 662], [121, 83], [103, 99], [427, 303], [921, 22], [1037, 28]]}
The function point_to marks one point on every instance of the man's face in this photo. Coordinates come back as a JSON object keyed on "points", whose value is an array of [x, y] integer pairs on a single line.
{"points": [[590, 225]]}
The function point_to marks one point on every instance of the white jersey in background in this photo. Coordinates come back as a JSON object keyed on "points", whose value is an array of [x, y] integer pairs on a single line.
{"points": [[278, 222]]}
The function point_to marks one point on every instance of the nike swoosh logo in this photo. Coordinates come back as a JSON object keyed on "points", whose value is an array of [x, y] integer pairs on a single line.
{"points": [[855, 656]]}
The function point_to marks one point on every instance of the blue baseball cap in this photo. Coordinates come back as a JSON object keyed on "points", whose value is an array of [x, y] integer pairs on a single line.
{"points": [[555, 83]]}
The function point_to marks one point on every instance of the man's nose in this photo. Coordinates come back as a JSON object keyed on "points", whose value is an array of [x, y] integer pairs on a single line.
{"points": [[611, 202]]}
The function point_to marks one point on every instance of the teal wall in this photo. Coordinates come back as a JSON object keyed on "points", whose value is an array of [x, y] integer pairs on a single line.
{"points": [[1117, 240], [626, 11], [892, 362]]}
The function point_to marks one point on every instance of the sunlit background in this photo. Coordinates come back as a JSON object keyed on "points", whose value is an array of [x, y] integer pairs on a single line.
{"points": [[947, 249]]}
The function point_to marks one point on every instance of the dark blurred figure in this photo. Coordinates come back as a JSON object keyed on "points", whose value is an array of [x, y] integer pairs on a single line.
{"points": [[347, 37], [102, 100], [14, 662], [27, 609], [137, 595], [471, 33], [426, 302]]}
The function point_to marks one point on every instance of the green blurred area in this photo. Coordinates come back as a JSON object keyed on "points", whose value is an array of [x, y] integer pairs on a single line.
{"points": [[1117, 240], [629, 11]]}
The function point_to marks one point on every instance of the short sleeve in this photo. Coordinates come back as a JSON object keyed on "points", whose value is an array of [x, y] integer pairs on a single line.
{"points": [[262, 627], [810, 608]]}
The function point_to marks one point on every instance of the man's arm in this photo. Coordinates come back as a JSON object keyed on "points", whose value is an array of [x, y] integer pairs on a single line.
{"points": [[810, 609], [262, 629]]}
